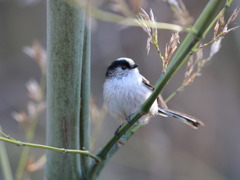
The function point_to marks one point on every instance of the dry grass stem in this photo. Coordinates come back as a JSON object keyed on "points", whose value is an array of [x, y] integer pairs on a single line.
{"points": [[171, 46], [190, 74], [143, 19], [221, 20], [190, 67], [233, 16], [230, 21], [170, 49], [215, 31], [218, 36]]}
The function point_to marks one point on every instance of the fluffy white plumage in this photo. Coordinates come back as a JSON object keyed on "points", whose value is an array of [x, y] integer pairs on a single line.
{"points": [[125, 92]]}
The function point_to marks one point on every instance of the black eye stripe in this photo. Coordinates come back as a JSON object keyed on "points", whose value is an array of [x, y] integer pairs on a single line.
{"points": [[120, 63], [123, 64]]}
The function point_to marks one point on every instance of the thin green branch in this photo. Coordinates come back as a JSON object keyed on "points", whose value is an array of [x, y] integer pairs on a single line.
{"points": [[158, 50], [5, 135], [180, 89], [85, 96], [190, 42], [21, 143]]}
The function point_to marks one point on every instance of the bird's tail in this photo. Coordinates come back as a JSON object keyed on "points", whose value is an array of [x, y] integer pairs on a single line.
{"points": [[189, 120]]}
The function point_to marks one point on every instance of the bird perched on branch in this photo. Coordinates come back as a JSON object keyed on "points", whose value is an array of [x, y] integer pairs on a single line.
{"points": [[125, 89]]}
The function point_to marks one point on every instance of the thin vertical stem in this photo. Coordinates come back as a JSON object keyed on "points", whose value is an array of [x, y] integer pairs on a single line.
{"points": [[29, 138], [4, 162], [85, 95]]}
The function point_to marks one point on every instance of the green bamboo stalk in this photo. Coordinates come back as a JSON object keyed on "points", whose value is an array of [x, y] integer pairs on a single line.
{"points": [[190, 42], [65, 32], [4, 162], [85, 96]]}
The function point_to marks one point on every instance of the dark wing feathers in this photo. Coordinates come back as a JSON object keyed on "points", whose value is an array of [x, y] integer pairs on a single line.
{"points": [[147, 83], [160, 101]]}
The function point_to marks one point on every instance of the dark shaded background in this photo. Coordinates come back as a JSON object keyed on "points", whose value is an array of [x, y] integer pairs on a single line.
{"points": [[165, 149]]}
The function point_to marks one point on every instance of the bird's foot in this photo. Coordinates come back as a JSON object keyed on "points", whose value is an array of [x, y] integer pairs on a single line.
{"points": [[128, 118], [117, 130]]}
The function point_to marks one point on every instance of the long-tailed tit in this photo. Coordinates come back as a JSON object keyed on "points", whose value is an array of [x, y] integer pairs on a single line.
{"points": [[125, 89]]}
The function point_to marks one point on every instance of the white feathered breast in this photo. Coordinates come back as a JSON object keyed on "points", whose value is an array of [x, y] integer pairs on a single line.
{"points": [[123, 96]]}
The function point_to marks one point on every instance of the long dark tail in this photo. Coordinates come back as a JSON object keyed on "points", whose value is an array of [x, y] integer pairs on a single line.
{"points": [[189, 120]]}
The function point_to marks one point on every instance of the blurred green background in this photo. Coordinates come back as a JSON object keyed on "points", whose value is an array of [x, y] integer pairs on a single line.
{"points": [[164, 149]]}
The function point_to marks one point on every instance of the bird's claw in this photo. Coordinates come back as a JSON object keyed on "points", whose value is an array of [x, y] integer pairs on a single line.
{"points": [[128, 118], [117, 130]]}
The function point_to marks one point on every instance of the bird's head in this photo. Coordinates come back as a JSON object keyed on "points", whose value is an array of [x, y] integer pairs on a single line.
{"points": [[121, 67]]}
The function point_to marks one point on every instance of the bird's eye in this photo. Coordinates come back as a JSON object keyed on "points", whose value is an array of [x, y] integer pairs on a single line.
{"points": [[124, 67]]}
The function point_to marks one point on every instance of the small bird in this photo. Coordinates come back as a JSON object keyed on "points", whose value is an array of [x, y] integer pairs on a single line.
{"points": [[125, 89]]}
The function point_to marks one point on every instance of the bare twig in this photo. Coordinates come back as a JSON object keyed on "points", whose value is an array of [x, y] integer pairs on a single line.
{"points": [[20, 143]]}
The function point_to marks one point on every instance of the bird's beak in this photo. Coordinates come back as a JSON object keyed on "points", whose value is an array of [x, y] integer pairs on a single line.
{"points": [[134, 66]]}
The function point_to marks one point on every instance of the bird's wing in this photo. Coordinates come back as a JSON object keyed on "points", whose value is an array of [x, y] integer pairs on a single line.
{"points": [[147, 83], [160, 101]]}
